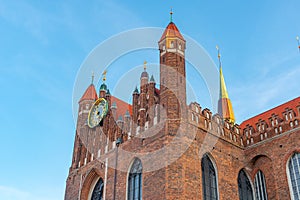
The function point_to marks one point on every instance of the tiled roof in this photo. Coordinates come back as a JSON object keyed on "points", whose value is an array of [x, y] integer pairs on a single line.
{"points": [[122, 106], [267, 114], [171, 31], [89, 94]]}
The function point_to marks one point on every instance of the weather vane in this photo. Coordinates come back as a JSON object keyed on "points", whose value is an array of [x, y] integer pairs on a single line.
{"points": [[104, 75], [93, 76], [219, 55], [171, 15], [145, 65], [297, 38]]}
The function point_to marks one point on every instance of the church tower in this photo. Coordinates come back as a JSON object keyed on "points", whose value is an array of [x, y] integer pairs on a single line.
{"points": [[172, 73]]}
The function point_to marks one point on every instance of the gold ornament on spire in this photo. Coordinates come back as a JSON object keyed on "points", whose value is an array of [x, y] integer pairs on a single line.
{"points": [[145, 65], [104, 75], [171, 15]]}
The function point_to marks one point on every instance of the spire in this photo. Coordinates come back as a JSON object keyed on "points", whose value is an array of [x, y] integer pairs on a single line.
{"points": [[171, 31], [103, 86], [224, 105], [89, 94], [136, 91], [171, 15], [93, 76], [152, 79]]}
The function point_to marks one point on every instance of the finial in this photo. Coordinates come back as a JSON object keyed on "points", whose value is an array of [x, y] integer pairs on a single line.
{"points": [[104, 75], [93, 76], [297, 38], [145, 65], [219, 55], [171, 15]]}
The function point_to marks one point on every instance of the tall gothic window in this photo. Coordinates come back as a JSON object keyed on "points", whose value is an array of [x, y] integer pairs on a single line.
{"points": [[209, 179], [98, 190], [260, 186], [245, 188], [135, 181], [294, 176]]}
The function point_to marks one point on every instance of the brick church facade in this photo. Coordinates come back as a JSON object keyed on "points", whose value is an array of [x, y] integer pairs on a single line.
{"points": [[159, 147]]}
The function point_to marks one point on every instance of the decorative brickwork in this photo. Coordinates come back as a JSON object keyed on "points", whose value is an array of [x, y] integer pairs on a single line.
{"points": [[156, 118]]}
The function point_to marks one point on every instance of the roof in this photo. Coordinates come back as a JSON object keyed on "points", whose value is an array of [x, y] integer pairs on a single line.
{"points": [[267, 114], [122, 106], [171, 31], [89, 94], [225, 109]]}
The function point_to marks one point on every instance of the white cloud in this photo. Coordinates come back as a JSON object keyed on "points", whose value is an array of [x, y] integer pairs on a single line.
{"points": [[265, 93]]}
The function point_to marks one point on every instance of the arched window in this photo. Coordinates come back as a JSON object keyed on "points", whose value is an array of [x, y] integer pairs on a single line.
{"points": [[245, 188], [209, 179], [135, 181], [260, 186], [294, 176], [98, 190]]}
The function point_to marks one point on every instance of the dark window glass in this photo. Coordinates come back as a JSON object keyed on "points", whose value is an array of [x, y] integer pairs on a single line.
{"points": [[98, 190], [245, 188], [135, 181], [260, 186], [209, 179]]}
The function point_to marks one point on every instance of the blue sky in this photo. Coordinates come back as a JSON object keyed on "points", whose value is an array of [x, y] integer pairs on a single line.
{"points": [[43, 44]]}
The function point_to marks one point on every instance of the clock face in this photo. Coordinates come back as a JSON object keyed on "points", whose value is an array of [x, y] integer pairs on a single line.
{"points": [[97, 112]]}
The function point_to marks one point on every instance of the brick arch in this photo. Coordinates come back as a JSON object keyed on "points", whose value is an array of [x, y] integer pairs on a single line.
{"points": [[264, 163], [289, 155], [92, 176], [212, 159]]}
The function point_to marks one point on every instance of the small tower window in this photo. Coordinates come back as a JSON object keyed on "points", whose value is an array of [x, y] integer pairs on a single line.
{"points": [[172, 44]]}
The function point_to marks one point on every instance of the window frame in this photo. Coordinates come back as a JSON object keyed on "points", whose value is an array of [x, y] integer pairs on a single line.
{"points": [[212, 161], [289, 175], [251, 184], [130, 169]]}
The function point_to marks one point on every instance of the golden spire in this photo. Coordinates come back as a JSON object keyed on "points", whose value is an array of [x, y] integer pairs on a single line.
{"points": [[224, 106], [104, 75], [145, 65]]}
